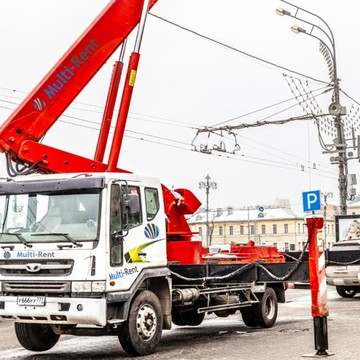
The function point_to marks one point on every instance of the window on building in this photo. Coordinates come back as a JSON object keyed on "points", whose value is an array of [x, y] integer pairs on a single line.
{"points": [[286, 228], [299, 228], [231, 230], [252, 229], [286, 246], [275, 244], [263, 229], [221, 230], [292, 247], [303, 228], [200, 230], [274, 229], [241, 229]]}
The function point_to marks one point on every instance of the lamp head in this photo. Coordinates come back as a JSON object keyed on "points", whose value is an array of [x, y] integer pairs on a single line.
{"points": [[282, 12], [297, 29]]}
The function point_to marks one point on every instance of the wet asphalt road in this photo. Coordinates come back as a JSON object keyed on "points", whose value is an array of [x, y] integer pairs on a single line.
{"points": [[223, 338]]}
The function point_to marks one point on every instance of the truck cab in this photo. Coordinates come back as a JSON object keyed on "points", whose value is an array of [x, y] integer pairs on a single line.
{"points": [[76, 248]]}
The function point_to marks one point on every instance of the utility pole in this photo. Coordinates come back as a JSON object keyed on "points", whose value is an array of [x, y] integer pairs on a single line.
{"points": [[328, 50]]}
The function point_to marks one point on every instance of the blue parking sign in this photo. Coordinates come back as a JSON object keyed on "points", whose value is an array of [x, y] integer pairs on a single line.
{"points": [[311, 200]]}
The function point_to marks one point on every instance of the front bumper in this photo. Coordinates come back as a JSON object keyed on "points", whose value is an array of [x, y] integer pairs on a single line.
{"points": [[57, 311], [343, 275]]}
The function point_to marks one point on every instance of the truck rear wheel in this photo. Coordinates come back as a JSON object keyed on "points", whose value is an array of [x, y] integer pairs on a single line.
{"points": [[346, 292], [264, 313], [36, 337], [141, 333], [248, 316]]}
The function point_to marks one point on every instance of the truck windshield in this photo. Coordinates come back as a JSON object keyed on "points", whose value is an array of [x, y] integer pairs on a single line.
{"points": [[49, 217]]}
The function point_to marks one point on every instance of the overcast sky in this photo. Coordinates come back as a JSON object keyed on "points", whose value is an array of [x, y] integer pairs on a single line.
{"points": [[186, 82]]}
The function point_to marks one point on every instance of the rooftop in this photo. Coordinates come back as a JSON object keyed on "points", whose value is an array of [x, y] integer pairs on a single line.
{"points": [[246, 214]]}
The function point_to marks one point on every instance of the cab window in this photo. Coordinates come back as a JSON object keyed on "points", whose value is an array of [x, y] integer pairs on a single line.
{"points": [[133, 201], [125, 214], [152, 203]]}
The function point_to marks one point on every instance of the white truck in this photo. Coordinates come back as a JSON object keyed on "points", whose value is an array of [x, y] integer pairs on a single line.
{"points": [[89, 254], [87, 248]]}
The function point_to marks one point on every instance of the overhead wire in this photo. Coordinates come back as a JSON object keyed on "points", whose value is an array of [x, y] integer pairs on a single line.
{"points": [[259, 110], [235, 49], [248, 55], [134, 115], [347, 120], [155, 140], [186, 146], [351, 98], [93, 125], [226, 46]]}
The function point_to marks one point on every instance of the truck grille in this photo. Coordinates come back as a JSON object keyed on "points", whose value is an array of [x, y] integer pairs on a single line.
{"points": [[39, 287], [36, 267]]}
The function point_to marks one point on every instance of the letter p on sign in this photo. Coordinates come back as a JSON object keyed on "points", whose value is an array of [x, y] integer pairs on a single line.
{"points": [[311, 200]]}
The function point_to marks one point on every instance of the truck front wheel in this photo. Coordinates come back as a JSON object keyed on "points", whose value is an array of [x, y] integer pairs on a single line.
{"points": [[141, 333], [36, 337]]}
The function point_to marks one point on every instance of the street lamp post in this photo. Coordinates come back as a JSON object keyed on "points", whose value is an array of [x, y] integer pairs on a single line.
{"points": [[207, 185], [335, 108]]}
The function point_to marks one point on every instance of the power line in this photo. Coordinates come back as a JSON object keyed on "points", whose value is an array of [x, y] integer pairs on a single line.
{"points": [[235, 49], [133, 115], [351, 98], [93, 125], [186, 146], [249, 159], [262, 109]]}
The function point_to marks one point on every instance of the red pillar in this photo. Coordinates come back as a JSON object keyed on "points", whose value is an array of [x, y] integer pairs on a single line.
{"points": [[319, 308]]}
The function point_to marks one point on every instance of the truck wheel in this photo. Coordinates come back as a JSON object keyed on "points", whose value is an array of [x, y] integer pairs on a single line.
{"points": [[263, 314], [346, 292], [141, 333], [248, 316], [36, 337], [266, 311]]}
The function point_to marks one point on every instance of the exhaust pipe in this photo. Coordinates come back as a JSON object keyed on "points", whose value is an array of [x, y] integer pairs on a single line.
{"points": [[185, 295]]}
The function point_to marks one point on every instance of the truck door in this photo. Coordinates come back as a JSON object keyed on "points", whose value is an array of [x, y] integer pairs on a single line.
{"points": [[137, 226]]}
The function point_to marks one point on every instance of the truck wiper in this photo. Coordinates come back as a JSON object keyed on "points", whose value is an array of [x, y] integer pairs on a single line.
{"points": [[65, 235], [19, 236]]}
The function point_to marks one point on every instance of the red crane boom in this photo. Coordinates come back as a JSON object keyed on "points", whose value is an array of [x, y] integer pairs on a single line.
{"points": [[21, 133]]}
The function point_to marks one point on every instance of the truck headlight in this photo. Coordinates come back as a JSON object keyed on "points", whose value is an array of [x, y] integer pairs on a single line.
{"points": [[98, 286], [88, 286]]}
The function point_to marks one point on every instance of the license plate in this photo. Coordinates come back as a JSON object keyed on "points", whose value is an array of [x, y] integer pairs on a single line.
{"points": [[340, 268], [31, 300]]}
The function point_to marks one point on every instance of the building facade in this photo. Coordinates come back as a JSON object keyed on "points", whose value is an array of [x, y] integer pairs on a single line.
{"points": [[272, 226]]}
